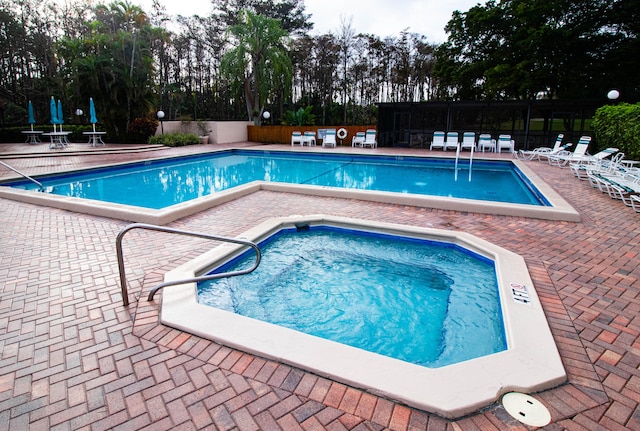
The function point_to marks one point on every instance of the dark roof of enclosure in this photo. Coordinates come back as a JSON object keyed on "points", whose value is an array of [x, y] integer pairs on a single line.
{"points": [[530, 122]]}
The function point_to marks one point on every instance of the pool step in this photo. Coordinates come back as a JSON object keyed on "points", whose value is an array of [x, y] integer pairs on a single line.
{"points": [[30, 151]]}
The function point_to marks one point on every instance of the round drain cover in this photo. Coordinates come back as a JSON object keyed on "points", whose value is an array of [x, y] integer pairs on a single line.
{"points": [[526, 409]]}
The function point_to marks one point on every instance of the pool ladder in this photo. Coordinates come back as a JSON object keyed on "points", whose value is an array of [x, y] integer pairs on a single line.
{"points": [[123, 278], [458, 157], [38, 183]]}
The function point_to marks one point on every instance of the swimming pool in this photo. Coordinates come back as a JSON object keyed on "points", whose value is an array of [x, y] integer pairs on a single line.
{"points": [[530, 363], [421, 301], [160, 191]]}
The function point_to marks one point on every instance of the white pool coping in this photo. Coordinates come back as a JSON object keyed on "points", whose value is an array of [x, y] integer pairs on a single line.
{"points": [[531, 363], [559, 210]]}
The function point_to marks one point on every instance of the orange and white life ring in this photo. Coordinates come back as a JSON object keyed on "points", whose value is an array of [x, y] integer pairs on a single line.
{"points": [[342, 133]]}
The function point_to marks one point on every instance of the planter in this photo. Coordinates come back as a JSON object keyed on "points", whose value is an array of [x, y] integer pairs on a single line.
{"points": [[204, 140]]}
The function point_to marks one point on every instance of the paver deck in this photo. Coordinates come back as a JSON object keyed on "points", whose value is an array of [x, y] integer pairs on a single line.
{"points": [[74, 358]]}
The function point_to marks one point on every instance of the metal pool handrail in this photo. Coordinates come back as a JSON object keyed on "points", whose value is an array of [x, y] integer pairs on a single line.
{"points": [[23, 174], [455, 175], [123, 279]]}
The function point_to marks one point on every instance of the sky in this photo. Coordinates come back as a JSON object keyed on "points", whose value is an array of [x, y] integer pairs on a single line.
{"points": [[380, 17]]}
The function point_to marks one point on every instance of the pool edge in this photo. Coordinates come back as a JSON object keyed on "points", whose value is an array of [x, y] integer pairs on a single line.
{"points": [[560, 209], [461, 388]]}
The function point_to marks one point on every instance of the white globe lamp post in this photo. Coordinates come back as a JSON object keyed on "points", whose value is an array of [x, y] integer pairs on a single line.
{"points": [[160, 115], [613, 94]]}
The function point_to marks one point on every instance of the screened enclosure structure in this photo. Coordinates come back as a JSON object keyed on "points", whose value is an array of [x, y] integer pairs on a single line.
{"points": [[530, 123]]}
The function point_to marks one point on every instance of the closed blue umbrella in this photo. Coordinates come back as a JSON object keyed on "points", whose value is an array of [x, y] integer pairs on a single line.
{"points": [[60, 115], [31, 119], [92, 113], [54, 113]]}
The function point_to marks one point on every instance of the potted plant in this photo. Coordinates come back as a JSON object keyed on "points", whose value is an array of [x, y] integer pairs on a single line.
{"points": [[204, 131]]}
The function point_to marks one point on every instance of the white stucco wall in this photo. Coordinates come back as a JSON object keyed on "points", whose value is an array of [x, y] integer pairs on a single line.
{"points": [[221, 132]]}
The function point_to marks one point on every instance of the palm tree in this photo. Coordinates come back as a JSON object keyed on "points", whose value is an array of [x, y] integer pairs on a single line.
{"points": [[260, 63]]}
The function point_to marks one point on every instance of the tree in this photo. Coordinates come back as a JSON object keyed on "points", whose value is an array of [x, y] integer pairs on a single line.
{"points": [[290, 13], [259, 63], [111, 61], [346, 40], [526, 49]]}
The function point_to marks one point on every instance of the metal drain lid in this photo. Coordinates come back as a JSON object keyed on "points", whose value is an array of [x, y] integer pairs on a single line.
{"points": [[526, 409]]}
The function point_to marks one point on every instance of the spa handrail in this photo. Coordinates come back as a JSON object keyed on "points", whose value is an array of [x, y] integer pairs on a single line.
{"points": [[23, 174], [121, 269]]}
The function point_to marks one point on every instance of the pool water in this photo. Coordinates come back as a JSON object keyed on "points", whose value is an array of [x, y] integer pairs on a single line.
{"points": [[163, 183], [425, 302]]}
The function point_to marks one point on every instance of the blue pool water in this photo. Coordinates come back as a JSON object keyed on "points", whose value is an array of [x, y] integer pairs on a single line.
{"points": [[424, 302], [162, 183]]}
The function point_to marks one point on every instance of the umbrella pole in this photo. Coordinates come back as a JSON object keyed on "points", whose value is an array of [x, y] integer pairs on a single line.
{"points": [[94, 127]]}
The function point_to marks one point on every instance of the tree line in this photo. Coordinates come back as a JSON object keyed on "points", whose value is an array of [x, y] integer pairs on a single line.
{"points": [[134, 62]]}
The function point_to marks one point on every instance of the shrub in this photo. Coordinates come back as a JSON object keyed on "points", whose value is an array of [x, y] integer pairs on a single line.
{"points": [[140, 129], [175, 139], [619, 126], [301, 117]]}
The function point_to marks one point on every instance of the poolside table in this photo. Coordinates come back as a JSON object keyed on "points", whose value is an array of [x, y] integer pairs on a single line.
{"points": [[58, 139], [33, 136], [95, 138]]}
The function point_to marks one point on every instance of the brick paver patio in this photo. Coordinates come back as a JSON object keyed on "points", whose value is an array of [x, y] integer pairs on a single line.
{"points": [[74, 358]]}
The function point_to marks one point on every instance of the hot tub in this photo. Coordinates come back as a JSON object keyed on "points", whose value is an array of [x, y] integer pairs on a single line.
{"points": [[530, 362]]}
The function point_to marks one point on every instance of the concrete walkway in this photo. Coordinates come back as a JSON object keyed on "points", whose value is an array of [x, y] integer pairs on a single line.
{"points": [[74, 358]]}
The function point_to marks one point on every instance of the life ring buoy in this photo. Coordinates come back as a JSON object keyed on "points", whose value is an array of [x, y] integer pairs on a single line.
{"points": [[342, 133]]}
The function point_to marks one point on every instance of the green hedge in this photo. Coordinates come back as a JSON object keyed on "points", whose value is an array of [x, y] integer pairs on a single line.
{"points": [[175, 139], [619, 126]]}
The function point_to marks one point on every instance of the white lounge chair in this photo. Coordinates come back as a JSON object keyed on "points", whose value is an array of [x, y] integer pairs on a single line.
{"points": [[485, 142], [537, 152], [598, 163], [600, 155], [329, 138], [357, 139], [438, 140], [370, 139], [505, 143], [468, 141], [452, 141], [618, 186], [635, 203], [562, 158], [297, 137], [309, 138]]}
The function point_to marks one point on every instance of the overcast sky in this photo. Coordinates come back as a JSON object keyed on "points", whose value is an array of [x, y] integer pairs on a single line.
{"points": [[380, 17], [386, 17]]}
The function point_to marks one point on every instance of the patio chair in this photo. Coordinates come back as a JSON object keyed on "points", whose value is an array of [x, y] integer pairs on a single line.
{"points": [[370, 139], [485, 142], [620, 186], [297, 137], [309, 138], [357, 139], [562, 158], [598, 163], [537, 152], [438, 140], [468, 141], [635, 203], [329, 138], [452, 141], [505, 143]]}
